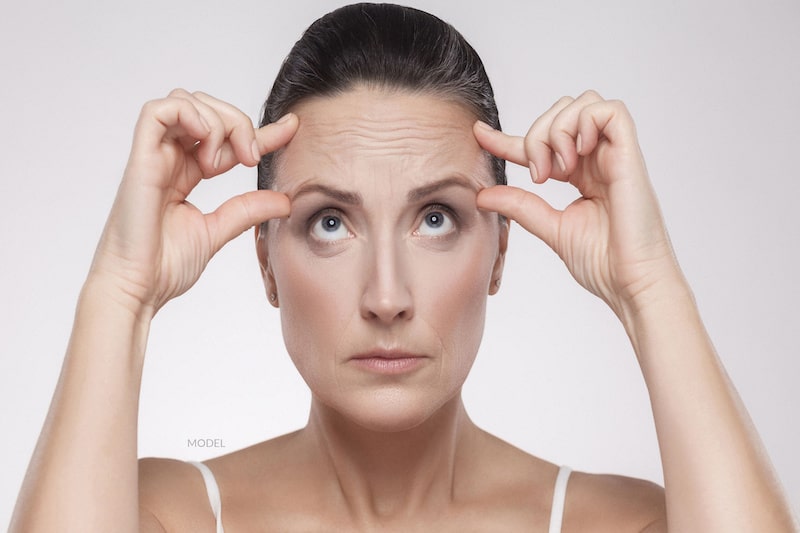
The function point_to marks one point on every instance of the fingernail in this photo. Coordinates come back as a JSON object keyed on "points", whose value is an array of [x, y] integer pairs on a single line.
{"points": [[484, 126], [560, 161], [255, 150], [285, 118], [534, 172], [578, 143], [218, 158]]}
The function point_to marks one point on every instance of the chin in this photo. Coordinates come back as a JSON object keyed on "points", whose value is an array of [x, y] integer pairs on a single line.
{"points": [[390, 409]]}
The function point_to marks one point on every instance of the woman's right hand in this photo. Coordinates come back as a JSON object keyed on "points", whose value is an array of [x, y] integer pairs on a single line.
{"points": [[155, 244]]}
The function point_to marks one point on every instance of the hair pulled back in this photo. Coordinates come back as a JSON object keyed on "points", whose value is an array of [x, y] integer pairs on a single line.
{"points": [[381, 46]]}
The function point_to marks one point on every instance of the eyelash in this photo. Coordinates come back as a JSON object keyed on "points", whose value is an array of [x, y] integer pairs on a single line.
{"points": [[428, 209], [437, 207], [316, 217]]}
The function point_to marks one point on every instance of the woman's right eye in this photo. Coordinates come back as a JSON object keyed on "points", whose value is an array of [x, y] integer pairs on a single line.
{"points": [[330, 228]]}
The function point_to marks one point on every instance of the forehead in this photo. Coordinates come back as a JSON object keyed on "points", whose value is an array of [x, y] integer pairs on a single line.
{"points": [[377, 133]]}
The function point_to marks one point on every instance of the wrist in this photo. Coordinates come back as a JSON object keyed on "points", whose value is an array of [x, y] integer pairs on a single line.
{"points": [[657, 305], [103, 293], [110, 333]]}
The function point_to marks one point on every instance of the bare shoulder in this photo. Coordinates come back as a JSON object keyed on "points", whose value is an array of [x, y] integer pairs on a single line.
{"points": [[603, 502], [172, 497]]}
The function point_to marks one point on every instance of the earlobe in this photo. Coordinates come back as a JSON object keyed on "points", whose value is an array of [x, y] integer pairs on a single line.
{"points": [[266, 269], [497, 270]]}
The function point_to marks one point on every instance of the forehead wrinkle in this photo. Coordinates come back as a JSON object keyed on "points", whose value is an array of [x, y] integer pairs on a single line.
{"points": [[392, 137], [367, 133], [439, 171]]}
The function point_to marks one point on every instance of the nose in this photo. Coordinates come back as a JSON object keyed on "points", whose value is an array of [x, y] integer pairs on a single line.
{"points": [[387, 296]]}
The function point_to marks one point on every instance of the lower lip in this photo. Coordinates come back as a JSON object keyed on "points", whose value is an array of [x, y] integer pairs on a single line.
{"points": [[384, 365]]}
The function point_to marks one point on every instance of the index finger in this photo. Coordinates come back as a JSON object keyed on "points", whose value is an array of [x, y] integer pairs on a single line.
{"points": [[277, 134], [508, 147]]}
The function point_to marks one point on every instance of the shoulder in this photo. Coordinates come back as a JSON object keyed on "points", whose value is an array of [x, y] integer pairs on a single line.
{"points": [[603, 502], [172, 497], [594, 502]]}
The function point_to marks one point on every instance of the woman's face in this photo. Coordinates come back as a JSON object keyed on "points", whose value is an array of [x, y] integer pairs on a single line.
{"points": [[383, 267]]}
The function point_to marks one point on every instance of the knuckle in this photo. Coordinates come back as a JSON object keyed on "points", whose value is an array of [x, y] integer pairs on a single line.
{"points": [[178, 92], [562, 125], [241, 122], [153, 107], [618, 105], [149, 107], [590, 94], [530, 144], [619, 109]]}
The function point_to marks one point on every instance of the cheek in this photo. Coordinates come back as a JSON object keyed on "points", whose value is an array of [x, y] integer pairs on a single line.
{"points": [[453, 300], [315, 298], [319, 302]]}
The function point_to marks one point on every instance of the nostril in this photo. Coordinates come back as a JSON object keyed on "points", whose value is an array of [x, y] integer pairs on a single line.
{"points": [[386, 296], [387, 310]]}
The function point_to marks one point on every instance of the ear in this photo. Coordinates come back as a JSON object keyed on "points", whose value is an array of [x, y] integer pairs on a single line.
{"points": [[266, 269], [497, 270]]}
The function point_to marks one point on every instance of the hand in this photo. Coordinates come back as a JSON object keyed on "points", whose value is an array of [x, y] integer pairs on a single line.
{"points": [[156, 244], [612, 238]]}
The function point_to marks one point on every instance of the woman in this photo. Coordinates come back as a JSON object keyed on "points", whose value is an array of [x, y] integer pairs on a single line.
{"points": [[381, 169]]}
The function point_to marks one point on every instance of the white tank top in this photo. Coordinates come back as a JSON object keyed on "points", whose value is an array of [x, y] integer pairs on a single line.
{"points": [[556, 512]]}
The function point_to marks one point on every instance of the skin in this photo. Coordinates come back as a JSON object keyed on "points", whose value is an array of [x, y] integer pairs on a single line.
{"points": [[397, 452], [387, 279], [388, 452]]}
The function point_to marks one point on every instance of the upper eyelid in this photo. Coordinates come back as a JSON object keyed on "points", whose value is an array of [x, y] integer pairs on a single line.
{"points": [[438, 206], [425, 210], [318, 213], [315, 218]]}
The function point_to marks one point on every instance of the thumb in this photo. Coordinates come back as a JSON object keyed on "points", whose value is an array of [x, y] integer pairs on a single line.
{"points": [[244, 211], [529, 210]]}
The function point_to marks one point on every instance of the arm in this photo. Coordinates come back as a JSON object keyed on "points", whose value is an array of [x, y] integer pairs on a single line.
{"points": [[614, 242], [83, 473], [717, 474]]}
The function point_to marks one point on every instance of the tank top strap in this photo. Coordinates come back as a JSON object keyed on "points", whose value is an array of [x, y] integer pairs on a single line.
{"points": [[559, 497], [213, 492], [556, 512]]}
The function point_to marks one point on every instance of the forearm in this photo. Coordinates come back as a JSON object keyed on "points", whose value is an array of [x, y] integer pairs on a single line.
{"points": [[717, 475], [83, 473]]}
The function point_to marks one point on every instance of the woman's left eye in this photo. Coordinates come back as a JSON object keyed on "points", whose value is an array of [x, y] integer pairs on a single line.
{"points": [[436, 223]]}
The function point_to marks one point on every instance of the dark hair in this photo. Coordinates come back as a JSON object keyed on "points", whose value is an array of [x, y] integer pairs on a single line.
{"points": [[386, 46]]}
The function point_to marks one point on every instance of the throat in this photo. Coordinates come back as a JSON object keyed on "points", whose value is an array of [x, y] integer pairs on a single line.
{"points": [[384, 476]]}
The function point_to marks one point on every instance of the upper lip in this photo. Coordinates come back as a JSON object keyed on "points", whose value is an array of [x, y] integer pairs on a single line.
{"points": [[379, 353]]}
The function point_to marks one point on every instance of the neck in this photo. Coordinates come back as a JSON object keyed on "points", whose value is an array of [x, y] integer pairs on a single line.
{"points": [[388, 475]]}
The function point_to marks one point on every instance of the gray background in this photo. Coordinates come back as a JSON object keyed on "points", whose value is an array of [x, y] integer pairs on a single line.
{"points": [[713, 87]]}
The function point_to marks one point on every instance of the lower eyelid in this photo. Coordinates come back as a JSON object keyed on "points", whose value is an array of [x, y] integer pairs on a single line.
{"points": [[314, 219], [447, 234]]}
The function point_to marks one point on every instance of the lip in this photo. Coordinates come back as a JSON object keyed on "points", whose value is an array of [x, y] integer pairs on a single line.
{"points": [[388, 361]]}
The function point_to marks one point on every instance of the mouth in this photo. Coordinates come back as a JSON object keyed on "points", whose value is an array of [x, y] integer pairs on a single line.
{"points": [[388, 361]]}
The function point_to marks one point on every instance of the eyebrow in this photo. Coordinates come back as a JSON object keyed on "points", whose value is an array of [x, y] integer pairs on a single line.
{"points": [[414, 195], [419, 193], [346, 197]]}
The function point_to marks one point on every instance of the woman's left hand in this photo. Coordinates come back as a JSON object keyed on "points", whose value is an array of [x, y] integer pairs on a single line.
{"points": [[612, 238]]}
